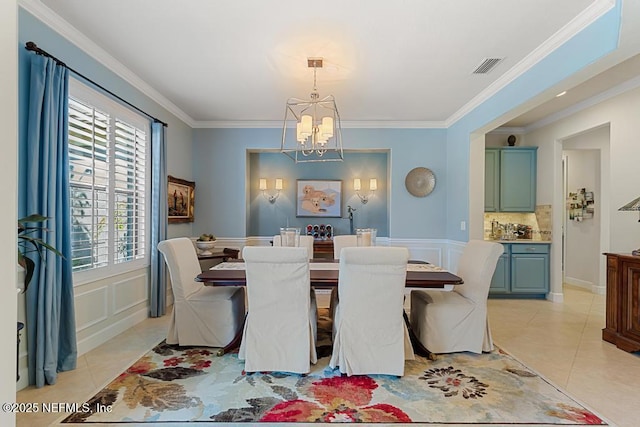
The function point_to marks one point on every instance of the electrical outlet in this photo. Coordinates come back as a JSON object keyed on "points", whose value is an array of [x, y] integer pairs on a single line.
{"points": [[463, 225]]}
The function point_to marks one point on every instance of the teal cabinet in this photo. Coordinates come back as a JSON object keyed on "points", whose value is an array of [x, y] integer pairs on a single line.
{"points": [[522, 271], [491, 180], [510, 179], [500, 281]]}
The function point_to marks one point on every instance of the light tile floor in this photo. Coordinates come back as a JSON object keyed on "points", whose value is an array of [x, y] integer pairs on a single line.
{"points": [[561, 341]]}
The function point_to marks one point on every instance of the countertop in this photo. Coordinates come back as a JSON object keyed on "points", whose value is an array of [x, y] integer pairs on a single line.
{"points": [[546, 242]]}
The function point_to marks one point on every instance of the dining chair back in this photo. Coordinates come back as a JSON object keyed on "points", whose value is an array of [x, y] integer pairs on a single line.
{"points": [[447, 322], [370, 335], [202, 315], [305, 241], [343, 241], [280, 330]]}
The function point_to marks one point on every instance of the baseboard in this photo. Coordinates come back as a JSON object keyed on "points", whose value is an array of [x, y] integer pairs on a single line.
{"points": [[88, 343], [23, 382], [104, 335], [583, 284], [555, 296], [578, 282]]}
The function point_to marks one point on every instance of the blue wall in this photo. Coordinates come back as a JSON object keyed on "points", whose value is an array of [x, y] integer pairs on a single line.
{"points": [[592, 43], [265, 218], [221, 160], [224, 183], [32, 29]]}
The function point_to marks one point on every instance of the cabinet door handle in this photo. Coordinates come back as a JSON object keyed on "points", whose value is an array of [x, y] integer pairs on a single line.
{"points": [[530, 249]]}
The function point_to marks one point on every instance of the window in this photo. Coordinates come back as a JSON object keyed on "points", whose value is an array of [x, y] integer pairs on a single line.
{"points": [[108, 181]]}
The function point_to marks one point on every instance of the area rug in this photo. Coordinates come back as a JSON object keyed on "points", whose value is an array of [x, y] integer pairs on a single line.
{"points": [[190, 384]]}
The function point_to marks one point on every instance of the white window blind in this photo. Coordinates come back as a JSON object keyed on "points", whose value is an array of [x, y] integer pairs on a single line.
{"points": [[108, 180]]}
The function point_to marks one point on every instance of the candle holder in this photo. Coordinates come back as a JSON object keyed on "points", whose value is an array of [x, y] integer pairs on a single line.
{"points": [[366, 236], [290, 236]]}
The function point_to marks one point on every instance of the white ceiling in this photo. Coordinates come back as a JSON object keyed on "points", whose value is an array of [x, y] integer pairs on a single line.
{"points": [[216, 62]]}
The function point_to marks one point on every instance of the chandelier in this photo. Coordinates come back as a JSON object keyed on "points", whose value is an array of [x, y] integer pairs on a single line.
{"points": [[311, 131]]}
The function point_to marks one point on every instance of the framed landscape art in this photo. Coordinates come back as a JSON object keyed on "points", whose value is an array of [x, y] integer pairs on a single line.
{"points": [[319, 198], [180, 198]]}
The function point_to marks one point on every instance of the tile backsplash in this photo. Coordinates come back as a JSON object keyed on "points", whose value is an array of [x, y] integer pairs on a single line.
{"points": [[539, 221]]}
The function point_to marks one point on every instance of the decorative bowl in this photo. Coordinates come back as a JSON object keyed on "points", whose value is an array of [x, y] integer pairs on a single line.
{"points": [[420, 181], [205, 246]]}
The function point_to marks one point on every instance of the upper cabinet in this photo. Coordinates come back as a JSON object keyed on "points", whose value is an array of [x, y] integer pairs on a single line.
{"points": [[510, 179]]}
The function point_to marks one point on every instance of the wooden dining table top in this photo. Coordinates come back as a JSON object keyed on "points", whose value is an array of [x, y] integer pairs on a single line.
{"points": [[328, 277]]}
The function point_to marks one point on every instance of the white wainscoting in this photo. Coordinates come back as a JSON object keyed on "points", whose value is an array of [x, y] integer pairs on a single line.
{"points": [[22, 353], [103, 308], [91, 307], [107, 307], [441, 252], [110, 306]]}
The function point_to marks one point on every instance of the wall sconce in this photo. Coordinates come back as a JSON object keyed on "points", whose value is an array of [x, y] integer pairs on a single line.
{"points": [[373, 186], [263, 187]]}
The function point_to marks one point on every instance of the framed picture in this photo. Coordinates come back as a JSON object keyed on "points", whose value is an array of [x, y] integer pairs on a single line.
{"points": [[319, 198], [180, 198]]}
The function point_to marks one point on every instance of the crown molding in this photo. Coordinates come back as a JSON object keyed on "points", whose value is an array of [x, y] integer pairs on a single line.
{"points": [[579, 23], [237, 124], [507, 131], [631, 84], [73, 35], [69, 32], [583, 20], [393, 124], [277, 124]]}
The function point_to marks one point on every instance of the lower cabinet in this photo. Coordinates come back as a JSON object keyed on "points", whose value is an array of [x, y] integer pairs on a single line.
{"points": [[522, 271], [623, 302]]}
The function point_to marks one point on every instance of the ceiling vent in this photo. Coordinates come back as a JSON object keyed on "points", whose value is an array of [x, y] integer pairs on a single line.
{"points": [[487, 65]]}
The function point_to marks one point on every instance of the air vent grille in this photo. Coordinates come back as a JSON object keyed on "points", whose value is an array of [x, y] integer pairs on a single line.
{"points": [[487, 65]]}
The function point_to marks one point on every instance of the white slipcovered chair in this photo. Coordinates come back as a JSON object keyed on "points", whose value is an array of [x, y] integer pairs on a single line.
{"points": [[339, 242], [370, 335], [202, 315], [343, 241], [448, 322], [280, 330], [305, 241]]}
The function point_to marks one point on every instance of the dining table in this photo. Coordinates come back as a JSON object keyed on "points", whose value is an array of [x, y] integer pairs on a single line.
{"points": [[324, 273]]}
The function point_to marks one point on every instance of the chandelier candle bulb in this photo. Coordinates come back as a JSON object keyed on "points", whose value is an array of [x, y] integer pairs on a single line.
{"points": [[316, 123], [306, 126], [301, 138], [327, 127]]}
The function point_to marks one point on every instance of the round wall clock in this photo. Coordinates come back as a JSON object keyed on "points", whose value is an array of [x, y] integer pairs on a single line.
{"points": [[420, 181]]}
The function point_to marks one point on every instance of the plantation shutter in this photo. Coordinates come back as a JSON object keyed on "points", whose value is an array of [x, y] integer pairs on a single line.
{"points": [[129, 209], [107, 156]]}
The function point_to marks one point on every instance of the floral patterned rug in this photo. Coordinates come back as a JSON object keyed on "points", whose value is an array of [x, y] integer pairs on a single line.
{"points": [[190, 384]]}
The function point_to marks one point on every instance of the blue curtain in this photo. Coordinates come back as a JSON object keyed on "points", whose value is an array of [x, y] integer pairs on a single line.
{"points": [[51, 329], [159, 209]]}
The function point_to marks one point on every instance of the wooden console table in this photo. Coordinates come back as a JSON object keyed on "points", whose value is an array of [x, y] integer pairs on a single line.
{"points": [[323, 248], [623, 301]]}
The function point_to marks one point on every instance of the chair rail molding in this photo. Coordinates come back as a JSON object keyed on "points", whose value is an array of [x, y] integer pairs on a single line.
{"points": [[442, 252]]}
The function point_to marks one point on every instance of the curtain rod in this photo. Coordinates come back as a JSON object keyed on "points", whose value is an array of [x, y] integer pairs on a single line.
{"points": [[34, 48]]}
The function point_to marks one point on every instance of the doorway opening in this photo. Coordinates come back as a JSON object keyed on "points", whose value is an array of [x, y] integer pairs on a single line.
{"points": [[585, 218]]}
